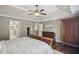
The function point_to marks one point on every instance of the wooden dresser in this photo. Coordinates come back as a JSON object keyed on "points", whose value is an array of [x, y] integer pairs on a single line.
{"points": [[48, 34]]}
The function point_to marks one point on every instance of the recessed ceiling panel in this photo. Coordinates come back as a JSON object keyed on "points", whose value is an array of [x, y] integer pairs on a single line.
{"points": [[47, 8]]}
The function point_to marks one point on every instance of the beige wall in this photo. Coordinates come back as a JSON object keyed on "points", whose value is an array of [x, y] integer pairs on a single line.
{"points": [[4, 28], [23, 27], [56, 27]]}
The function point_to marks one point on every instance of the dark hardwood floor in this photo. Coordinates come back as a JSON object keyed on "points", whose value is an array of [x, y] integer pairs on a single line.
{"points": [[65, 49]]}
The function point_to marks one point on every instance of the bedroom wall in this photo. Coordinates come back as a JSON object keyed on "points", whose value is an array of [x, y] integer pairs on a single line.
{"points": [[23, 27], [56, 27], [4, 28]]}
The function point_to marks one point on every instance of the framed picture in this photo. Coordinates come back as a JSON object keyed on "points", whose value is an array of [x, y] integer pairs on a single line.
{"points": [[49, 26]]}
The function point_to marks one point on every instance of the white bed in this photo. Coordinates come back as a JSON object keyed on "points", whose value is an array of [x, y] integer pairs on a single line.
{"points": [[24, 45]]}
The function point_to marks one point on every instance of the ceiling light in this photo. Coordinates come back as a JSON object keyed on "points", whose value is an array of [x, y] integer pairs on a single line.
{"points": [[37, 14]]}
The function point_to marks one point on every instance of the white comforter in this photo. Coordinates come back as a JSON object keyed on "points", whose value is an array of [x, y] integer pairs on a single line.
{"points": [[24, 45]]}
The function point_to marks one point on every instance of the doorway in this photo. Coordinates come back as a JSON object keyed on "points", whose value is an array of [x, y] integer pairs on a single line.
{"points": [[14, 27]]}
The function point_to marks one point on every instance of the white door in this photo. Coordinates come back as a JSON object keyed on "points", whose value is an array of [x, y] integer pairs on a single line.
{"points": [[40, 29], [14, 29]]}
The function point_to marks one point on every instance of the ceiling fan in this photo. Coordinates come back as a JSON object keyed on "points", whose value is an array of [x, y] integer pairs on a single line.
{"points": [[37, 12]]}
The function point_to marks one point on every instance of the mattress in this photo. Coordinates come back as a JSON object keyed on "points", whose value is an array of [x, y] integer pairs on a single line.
{"points": [[24, 45]]}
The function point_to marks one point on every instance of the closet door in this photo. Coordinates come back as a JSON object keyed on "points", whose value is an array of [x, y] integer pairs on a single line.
{"points": [[67, 34], [75, 32], [70, 35]]}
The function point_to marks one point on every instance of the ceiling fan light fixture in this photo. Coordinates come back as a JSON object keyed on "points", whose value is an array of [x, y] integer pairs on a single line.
{"points": [[37, 14]]}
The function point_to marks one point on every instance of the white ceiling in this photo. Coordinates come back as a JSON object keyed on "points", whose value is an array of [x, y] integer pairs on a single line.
{"points": [[47, 8], [21, 11]]}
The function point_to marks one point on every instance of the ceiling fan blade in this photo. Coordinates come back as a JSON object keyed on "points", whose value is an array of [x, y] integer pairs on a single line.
{"points": [[41, 10], [43, 13], [31, 10], [31, 14]]}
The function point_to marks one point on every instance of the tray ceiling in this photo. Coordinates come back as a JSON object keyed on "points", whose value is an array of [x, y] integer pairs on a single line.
{"points": [[21, 11]]}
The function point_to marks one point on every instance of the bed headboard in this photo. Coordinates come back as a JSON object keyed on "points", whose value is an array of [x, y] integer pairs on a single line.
{"points": [[48, 34]]}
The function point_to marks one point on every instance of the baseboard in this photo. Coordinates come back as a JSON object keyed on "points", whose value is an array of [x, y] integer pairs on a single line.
{"points": [[58, 41], [71, 45], [57, 52]]}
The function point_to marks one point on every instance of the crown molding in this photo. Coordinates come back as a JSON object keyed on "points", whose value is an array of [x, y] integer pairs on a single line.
{"points": [[13, 17], [59, 18], [27, 19], [21, 8]]}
